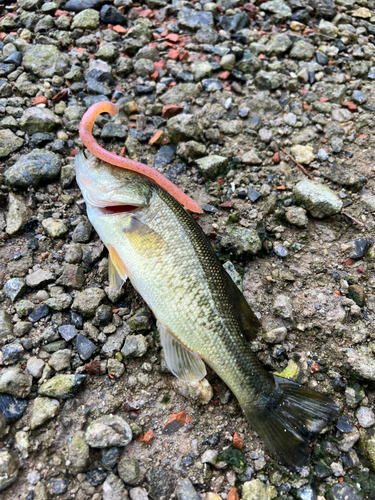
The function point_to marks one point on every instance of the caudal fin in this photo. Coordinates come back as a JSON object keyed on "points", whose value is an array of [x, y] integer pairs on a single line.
{"points": [[288, 418]]}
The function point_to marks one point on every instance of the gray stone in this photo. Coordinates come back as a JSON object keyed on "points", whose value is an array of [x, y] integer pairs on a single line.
{"points": [[44, 409], [368, 200], [72, 276], [39, 120], [129, 471], [141, 321], [255, 489], [242, 241], [186, 491], [278, 7], [14, 289], [85, 347], [278, 45], [183, 92], [35, 367], [138, 494], [55, 228], [302, 50], [269, 80], [276, 335], [265, 135], [30, 169], [343, 491], [303, 154], [195, 20], [366, 417], [201, 69], [88, 301], [6, 327], [4, 428], [62, 386], [144, 67], [206, 35], [228, 62], [135, 346], [251, 158], [68, 332], [60, 360], [184, 127], [10, 141], [114, 488], [78, 453], [39, 278], [15, 382], [161, 482], [60, 302], [319, 200], [24, 308], [12, 353], [45, 61], [297, 216], [8, 469], [86, 19], [211, 166], [107, 431], [282, 307]]}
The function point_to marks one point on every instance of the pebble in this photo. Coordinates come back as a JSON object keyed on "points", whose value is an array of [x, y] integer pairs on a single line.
{"points": [[88, 301], [198, 391], [60, 360], [186, 491], [319, 200], [15, 382], [35, 367], [135, 346], [256, 489], [242, 241], [33, 168], [6, 327], [8, 469], [12, 408], [78, 453], [44, 409], [110, 430], [67, 332], [62, 386], [365, 417], [113, 488], [39, 313], [344, 425], [54, 227], [129, 471], [276, 335], [138, 494], [161, 482], [297, 216], [85, 347], [343, 490]]}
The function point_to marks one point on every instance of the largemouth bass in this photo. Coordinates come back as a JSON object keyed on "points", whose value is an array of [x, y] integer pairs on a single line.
{"points": [[202, 317]]}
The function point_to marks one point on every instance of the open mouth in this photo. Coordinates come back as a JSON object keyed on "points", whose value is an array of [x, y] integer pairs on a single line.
{"points": [[119, 209]]}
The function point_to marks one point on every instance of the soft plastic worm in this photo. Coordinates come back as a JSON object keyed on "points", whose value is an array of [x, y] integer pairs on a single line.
{"points": [[85, 133]]}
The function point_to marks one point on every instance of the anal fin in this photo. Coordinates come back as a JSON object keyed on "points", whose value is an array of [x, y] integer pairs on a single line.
{"points": [[183, 363], [116, 270]]}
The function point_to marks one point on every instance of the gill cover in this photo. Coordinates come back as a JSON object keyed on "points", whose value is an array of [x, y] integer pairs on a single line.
{"points": [[103, 185]]}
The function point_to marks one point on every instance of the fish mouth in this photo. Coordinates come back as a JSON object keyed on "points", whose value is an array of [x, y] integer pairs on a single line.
{"points": [[118, 209]]}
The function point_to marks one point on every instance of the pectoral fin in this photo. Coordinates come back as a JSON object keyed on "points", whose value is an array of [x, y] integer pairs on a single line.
{"points": [[143, 238], [116, 270], [183, 363]]}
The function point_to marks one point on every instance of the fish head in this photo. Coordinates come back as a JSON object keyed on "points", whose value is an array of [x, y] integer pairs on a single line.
{"points": [[110, 189]]}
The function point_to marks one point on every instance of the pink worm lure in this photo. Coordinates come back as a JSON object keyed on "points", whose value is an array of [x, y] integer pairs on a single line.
{"points": [[85, 133]]}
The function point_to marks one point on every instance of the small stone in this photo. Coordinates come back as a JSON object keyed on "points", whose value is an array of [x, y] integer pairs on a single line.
{"points": [[72, 276], [39, 313], [60, 360], [108, 431], [138, 494], [8, 469], [366, 417], [39, 278], [256, 489], [23, 308], [86, 19], [323, 155], [33, 168], [135, 346], [280, 250], [44, 61], [39, 119], [268, 80], [18, 213], [362, 13], [186, 491], [297, 216], [276, 335], [44, 409], [201, 69], [359, 97], [78, 453], [357, 293], [242, 241], [14, 289], [35, 367], [111, 15], [278, 44], [344, 425], [12, 353], [129, 471], [209, 457], [197, 391], [211, 85], [6, 327], [251, 158], [87, 302], [320, 201], [302, 50], [15, 382], [282, 307], [184, 127], [85, 347], [141, 321], [161, 482], [265, 135], [328, 30], [12, 408], [278, 7], [58, 486], [343, 491], [228, 62], [60, 302], [303, 154], [62, 386], [54, 227], [358, 248], [211, 166], [82, 232], [114, 488], [68, 332], [115, 368], [195, 20]]}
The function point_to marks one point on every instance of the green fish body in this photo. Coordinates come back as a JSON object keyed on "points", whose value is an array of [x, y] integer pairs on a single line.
{"points": [[201, 315]]}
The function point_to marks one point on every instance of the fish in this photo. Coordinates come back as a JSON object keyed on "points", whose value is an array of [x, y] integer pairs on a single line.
{"points": [[202, 317]]}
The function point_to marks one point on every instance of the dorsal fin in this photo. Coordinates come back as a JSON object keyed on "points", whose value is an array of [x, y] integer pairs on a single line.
{"points": [[246, 318]]}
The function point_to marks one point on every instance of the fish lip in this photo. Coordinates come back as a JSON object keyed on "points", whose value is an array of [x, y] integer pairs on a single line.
{"points": [[118, 208]]}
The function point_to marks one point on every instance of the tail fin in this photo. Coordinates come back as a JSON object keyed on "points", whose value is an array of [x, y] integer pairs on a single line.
{"points": [[288, 418]]}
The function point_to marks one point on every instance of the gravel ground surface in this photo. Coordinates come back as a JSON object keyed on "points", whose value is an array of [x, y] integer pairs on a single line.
{"points": [[219, 97]]}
